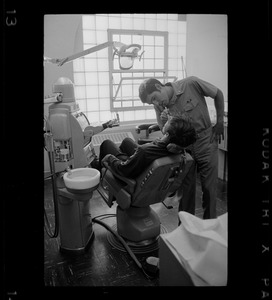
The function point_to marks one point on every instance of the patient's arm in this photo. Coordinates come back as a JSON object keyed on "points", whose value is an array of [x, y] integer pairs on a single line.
{"points": [[129, 181], [131, 168], [174, 148]]}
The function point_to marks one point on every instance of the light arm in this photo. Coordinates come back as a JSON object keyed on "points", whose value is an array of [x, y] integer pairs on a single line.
{"points": [[88, 51], [121, 53]]}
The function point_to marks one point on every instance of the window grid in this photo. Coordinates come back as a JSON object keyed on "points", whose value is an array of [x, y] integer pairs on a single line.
{"points": [[90, 71], [125, 95]]}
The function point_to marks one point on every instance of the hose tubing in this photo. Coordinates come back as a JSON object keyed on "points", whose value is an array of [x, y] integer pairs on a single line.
{"points": [[132, 255]]}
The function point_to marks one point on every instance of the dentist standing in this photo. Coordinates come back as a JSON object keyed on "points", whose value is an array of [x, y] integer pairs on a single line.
{"points": [[188, 96]]}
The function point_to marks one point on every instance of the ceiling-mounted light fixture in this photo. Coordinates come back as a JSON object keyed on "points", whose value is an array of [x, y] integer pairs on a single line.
{"points": [[127, 54]]}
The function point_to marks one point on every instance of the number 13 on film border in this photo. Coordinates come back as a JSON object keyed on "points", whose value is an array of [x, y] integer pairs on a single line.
{"points": [[11, 19]]}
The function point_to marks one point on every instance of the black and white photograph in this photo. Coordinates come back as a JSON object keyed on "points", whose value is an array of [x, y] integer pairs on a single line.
{"points": [[141, 165], [121, 207]]}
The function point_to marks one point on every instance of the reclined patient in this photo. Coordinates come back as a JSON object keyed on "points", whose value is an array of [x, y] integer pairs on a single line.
{"points": [[130, 159]]}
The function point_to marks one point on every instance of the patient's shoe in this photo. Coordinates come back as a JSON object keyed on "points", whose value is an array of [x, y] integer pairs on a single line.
{"points": [[95, 164], [151, 265]]}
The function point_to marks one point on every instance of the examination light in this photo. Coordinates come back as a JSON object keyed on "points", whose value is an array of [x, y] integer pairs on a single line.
{"points": [[126, 58]]}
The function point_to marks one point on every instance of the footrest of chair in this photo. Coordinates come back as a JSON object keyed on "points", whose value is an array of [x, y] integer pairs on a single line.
{"points": [[123, 199], [107, 197]]}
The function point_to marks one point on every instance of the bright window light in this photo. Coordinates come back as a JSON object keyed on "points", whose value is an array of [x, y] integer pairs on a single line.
{"points": [[159, 52], [126, 39], [97, 76], [127, 103], [172, 17], [149, 52], [88, 22], [139, 114], [93, 116], [172, 26], [150, 114], [173, 52], [78, 65], [182, 27], [103, 65], [104, 116], [159, 41], [80, 91], [92, 91], [103, 91], [91, 78], [79, 78], [103, 78], [117, 104], [138, 24], [89, 37], [159, 64], [172, 64], [173, 39], [149, 64], [104, 103], [90, 64], [150, 24], [162, 16], [129, 115], [102, 23], [101, 37], [82, 104], [126, 23], [150, 16], [161, 25], [93, 104], [148, 40], [114, 23]]}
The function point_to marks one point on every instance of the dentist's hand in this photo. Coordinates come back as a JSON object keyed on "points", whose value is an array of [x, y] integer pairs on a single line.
{"points": [[218, 132], [164, 116]]}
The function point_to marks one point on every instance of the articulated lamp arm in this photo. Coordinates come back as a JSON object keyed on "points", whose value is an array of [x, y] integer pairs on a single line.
{"points": [[62, 61], [88, 51], [122, 52]]}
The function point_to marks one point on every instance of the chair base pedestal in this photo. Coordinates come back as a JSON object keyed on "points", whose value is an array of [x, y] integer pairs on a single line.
{"points": [[138, 224]]}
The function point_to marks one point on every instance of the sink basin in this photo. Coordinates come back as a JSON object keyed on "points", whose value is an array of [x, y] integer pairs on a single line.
{"points": [[82, 178]]}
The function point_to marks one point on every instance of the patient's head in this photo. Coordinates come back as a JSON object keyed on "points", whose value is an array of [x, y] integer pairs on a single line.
{"points": [[181, 131]]}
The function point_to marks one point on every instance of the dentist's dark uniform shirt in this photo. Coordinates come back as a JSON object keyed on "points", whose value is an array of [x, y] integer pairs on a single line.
{"points": [[189, 97]]}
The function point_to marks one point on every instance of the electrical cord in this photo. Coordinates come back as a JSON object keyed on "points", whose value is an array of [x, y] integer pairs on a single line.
{"points": [[132, 255], [54, 188], [56, 212]]}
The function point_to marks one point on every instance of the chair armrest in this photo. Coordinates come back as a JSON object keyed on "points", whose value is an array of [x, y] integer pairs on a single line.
{"points": [[130, 182], [141, 127], [154, 127]]}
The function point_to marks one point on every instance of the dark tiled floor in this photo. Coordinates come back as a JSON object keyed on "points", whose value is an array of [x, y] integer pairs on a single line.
{"points": [[102, 264]]}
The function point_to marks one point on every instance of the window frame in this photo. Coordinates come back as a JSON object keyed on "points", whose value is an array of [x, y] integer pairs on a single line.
{"points": [[163, 71]]}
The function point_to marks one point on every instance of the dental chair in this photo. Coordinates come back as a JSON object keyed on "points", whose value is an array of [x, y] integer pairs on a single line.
{"points": [[137, 222]]}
